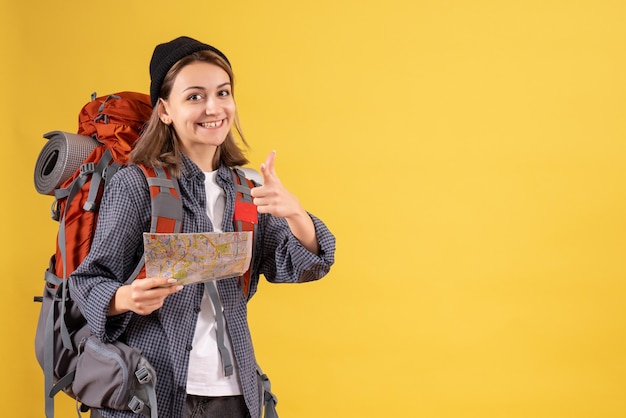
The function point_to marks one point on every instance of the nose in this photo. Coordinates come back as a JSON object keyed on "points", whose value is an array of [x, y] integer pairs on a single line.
{"points": [[212, 105]]}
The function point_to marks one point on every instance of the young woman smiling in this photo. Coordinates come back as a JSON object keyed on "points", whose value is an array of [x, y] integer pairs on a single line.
{"points": [[177, 327]]}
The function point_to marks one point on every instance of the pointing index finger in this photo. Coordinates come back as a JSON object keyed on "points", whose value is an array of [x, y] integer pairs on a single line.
{"points": [[269, 161], [267, 168]]}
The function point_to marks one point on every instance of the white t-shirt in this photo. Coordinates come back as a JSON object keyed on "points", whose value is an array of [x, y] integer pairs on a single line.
{"points": [[206, 372]]}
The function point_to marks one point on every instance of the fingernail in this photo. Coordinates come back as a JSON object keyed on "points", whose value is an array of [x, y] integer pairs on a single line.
{"points": [[172, 280], [179, 287]]}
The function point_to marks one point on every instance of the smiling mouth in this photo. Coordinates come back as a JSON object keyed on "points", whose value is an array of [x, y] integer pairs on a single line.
{"points": [[215, 124]]}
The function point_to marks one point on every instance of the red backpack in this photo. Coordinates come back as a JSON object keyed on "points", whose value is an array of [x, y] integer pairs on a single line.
{"points": [[75, 168]]}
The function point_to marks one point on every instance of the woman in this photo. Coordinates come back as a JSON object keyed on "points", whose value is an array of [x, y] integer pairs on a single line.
{"points": [[176, 327]]}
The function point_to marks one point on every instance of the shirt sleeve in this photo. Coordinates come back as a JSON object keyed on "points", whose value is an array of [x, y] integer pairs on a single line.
{"points": [[286, 260], [115, 251]]}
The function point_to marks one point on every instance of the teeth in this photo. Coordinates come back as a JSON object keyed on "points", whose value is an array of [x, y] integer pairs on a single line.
{"points": [[212, 124]]}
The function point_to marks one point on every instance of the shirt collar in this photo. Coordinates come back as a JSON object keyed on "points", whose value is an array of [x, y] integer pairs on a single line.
{"points": [[190, 170]]}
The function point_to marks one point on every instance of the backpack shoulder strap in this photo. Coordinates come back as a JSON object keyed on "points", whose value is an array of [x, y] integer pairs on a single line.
{"points": [[245, 218], [167, 207], [166, 217]]}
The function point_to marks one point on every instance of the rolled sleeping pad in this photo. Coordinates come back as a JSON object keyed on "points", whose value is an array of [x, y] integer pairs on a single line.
{"points": [[60, 157]]}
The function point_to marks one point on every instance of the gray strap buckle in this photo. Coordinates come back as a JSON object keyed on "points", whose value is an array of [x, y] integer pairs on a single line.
{"points": [[142, 375]]}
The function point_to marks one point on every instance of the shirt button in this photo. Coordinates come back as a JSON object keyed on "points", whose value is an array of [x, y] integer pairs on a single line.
{"points": [[181, 389], [197, 309], [189, 347]]}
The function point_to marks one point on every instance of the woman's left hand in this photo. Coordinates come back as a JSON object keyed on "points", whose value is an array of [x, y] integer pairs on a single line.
{"points": [[272, 197]]}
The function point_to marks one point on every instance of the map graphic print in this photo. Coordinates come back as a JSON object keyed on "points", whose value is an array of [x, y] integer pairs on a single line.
{"points": [[193, 258]]}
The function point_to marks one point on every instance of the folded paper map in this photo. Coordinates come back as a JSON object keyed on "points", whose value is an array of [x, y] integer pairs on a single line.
{"points": [[193, 258]]}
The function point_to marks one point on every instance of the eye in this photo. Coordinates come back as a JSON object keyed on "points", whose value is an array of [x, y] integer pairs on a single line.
{"points": [[194, 97], [223, 93]]}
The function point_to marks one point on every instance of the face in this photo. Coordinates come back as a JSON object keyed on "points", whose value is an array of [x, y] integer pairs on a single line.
{"points": [[200, 107]]}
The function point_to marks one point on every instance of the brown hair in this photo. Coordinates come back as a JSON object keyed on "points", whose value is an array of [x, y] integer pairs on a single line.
{"points": [[159, 145]]}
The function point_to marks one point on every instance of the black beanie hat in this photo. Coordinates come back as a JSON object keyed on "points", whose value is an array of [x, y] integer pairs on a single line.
{"points": [[167, 54]]}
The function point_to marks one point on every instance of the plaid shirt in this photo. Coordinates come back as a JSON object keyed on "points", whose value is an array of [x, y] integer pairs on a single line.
{"points": [[165, 336]]}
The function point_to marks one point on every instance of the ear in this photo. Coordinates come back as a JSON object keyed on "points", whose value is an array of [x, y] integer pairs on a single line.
{"points": [[163, 112]]}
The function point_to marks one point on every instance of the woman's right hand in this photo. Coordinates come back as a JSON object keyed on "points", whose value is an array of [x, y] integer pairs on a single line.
{"points": [[143, 296]]}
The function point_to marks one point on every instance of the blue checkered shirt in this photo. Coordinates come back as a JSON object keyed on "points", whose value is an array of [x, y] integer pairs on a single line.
{"points": [[166, 335]]}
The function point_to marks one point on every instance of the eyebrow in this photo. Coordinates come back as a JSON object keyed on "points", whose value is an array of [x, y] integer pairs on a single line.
{"points": [[202, 88]]}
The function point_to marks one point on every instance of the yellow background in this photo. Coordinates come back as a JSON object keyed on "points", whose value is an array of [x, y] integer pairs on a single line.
{"points": [[468, 155]]}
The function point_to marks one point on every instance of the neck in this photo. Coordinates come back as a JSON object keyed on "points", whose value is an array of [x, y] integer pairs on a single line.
{"points": [[202, 156]]}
